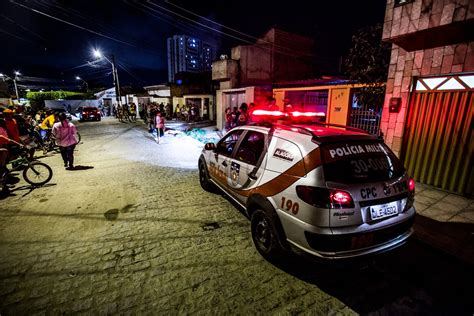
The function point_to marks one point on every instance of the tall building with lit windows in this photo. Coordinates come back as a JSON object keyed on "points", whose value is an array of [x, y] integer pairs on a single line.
{"points": [[189, 54]]}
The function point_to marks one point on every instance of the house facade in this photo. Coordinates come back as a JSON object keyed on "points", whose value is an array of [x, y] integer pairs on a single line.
{"points": [[247, 76], [428, 111]]}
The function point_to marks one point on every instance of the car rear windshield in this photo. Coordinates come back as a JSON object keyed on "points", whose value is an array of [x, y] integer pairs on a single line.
{"points": [[360, 161]]}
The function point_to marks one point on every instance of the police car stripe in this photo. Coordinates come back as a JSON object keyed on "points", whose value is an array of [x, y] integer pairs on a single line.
{"points": [[286, 178]]}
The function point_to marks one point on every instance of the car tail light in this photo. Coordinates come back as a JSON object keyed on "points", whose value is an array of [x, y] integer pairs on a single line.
{"points": [[341, 199], [411, 185], [324, 198]]}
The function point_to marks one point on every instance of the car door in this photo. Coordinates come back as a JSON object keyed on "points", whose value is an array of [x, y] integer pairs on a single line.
{"points": [[247, 164], [219, 165]]}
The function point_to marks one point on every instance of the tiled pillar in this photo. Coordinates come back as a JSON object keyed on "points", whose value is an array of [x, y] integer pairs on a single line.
{"points": [[404, 66]]}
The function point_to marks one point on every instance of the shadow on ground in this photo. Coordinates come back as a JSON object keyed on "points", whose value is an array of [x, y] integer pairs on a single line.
{"points": [[414, 279], [79, 167]]}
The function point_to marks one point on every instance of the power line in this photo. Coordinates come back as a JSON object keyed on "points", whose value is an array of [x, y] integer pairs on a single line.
{"points": [[6, 18], [15, 36], [263, 46], [71, 24], [232, 29]]}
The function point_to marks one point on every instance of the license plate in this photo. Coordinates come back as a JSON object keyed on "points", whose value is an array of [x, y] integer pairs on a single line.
{"points": [[384, 210]]}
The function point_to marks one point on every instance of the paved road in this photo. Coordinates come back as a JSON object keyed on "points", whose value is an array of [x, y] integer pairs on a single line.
{"points": [[136, 234]]}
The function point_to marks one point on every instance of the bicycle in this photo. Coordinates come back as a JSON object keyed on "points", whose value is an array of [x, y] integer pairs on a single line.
{"points": [[35, 172], [49, 143]]}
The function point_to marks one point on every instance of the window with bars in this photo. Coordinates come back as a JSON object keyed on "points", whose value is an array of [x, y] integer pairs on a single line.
{"points": [[365, 116]]}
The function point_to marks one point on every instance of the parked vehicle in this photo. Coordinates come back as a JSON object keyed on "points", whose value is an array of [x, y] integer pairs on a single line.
{"points": [[89, 113], [327, 190]]}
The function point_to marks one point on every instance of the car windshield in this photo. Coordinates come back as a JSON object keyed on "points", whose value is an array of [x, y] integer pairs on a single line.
{"points": [[360, 161]]}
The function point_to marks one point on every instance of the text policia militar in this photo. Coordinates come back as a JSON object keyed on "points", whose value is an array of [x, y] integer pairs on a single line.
{"points": [[348, 150]]}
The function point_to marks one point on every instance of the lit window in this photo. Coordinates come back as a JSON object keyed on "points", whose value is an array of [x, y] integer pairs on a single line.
{"points": [[469, 80], [433, 82], [451, 84], [420, 86]]}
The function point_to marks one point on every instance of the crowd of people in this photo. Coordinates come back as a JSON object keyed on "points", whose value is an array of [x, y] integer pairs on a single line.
{"points": [[21, 126], [245, 113], [187, 113], [155, 114]]}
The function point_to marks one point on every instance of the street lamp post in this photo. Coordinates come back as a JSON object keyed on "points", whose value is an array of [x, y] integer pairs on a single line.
{"points": [[98, 54], [87, 85]]}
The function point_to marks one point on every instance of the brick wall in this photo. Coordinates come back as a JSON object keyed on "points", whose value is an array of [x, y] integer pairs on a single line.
{"points": [[404, 65]]}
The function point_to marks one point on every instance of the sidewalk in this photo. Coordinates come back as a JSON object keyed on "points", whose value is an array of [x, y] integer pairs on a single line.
{"points": [[445, 221]]}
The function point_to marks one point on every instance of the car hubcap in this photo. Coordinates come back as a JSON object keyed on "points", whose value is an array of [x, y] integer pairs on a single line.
{"points": [[262, 233], [202, 175]]}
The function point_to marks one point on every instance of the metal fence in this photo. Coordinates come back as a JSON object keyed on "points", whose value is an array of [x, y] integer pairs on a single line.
{"points": [[366, 119]]}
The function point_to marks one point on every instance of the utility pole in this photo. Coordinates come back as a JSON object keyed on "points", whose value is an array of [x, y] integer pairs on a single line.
{"points": [[116, 81]]}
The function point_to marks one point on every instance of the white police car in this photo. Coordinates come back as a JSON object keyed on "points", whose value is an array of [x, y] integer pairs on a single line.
{"points": [[330, 191]]}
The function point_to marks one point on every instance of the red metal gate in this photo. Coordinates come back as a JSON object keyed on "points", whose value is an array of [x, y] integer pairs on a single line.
{"points": [[438, 140]]}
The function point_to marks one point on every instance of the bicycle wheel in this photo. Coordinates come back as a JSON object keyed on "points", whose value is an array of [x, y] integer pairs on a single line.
{"points": [[37, 173]]}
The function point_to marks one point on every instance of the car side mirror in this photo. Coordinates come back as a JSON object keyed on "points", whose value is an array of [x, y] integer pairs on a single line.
{"points": [[210, 146]]}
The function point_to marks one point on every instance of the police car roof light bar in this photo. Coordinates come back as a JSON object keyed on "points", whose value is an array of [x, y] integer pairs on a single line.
{"points": [[350, 128]]}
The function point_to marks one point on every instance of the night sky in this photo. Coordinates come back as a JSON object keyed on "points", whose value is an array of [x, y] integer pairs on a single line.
{"points": [[51, 41]]}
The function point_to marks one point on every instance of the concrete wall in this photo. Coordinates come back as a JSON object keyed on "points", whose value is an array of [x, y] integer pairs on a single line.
{"points": [[255, 64], [225, 69]]}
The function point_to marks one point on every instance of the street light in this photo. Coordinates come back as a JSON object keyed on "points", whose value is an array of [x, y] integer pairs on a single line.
{"points": [[87, 85], [97, 54]]}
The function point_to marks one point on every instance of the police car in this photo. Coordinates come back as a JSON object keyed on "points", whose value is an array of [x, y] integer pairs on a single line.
{"points": [[330, 191]]}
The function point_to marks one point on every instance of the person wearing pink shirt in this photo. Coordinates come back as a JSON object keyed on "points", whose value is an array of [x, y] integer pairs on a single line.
{"points": [[65, 134]]}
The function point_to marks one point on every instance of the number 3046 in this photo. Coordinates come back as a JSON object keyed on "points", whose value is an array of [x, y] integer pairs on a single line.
{"points": [[289, 205]]}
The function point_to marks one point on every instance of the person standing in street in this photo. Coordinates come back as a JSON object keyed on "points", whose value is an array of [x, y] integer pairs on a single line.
{"points": [[160, 126], [65, 134]]}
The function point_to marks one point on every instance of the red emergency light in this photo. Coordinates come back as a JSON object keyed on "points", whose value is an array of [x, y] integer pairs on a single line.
{"points": [[268, 113], [307, 114]]}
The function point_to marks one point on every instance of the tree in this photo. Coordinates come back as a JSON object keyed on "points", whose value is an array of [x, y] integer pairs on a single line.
{"points": [[367, 63], [37, 98]]}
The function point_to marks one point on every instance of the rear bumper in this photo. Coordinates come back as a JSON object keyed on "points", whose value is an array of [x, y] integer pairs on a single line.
{"points": [[359, 244], [350, 242]]}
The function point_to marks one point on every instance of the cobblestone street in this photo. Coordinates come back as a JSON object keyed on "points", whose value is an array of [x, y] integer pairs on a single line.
{"points": [[136, 233]]}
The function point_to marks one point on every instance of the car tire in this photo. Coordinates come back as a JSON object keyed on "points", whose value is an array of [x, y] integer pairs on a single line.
{"points": [[206, 184], [264, 234]]}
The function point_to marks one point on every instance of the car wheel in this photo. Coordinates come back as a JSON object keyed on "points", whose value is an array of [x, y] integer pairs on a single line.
{"points": [[264, 235], [206, 184]]}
